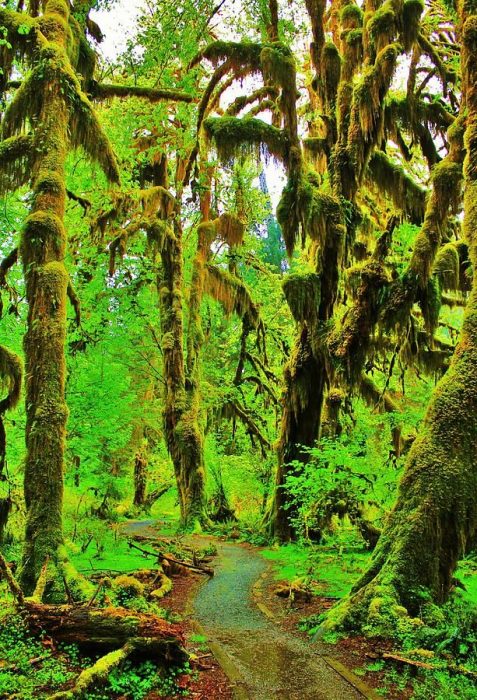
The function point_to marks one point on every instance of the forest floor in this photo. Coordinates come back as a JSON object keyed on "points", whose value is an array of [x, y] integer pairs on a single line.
{"points": [[253, 634]]}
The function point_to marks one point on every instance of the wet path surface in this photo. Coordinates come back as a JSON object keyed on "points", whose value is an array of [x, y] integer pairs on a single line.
{"points": [[270, 662]]}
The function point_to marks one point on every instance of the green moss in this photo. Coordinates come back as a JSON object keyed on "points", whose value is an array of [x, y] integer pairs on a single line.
{"points": [[391, 178], [354, 37], [411, 15], [351, 16], [303, 295], [331, 71], [382, 23], [232, 136], [11, 372], [231, 292], [241, 54], [447, 267], [125, 587], [15, 162], [447, 178], [278, 66]]}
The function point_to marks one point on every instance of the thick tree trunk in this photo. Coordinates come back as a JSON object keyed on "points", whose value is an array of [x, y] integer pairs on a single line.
{"points": [[43, 248], [435, 517], [305, 379]]}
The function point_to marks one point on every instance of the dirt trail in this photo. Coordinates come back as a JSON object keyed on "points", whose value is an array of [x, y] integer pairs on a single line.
{"points": [[263, 661], [269, 662]]}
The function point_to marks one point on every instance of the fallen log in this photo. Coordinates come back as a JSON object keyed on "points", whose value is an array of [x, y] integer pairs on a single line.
{"points": [[423, 665], [107, 628], [166, 557]]}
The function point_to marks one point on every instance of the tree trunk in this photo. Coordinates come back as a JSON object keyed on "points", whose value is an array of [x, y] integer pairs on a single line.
{"points": [[43, 247], [140, 478], [435, 518], [181, 412], [305, 379]]}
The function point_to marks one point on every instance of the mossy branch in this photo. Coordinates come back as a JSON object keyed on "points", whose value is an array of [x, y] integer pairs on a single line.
{"points": [[391, 178], [233, 136], [97, 673], [241, 54], [103, 91], [233, 409], [231, 292], [75, 302], [266, 91], [12, 583], [87, 133]]}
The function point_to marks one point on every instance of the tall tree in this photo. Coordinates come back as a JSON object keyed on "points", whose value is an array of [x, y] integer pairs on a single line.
{"points": [[434, 521], [48, 115]]}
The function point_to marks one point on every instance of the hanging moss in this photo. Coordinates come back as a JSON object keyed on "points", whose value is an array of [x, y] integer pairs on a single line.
{"points": [[354, 37], [231, 292], [411, 15], [331, 72], [371, 90], [447, 178], [344, 100], [15, 162], [278, 66], [391, 178], [231, 229], [430, 301], [351, 16], [367, 110], [381, 26], [87, 133], [85, 62], [316, 145], [293, 208], [303, 295], [11, 372], [241, 54], [447, 267], [233, 136]]}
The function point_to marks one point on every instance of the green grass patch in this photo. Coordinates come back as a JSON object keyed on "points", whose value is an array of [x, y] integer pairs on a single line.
{"points": [[332, 571]]}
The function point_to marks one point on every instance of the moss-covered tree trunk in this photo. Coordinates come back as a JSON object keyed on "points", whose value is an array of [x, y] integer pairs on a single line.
{"points": [[181, 411], [43, 248], [305, 380], [435, 518], [140, 478]]}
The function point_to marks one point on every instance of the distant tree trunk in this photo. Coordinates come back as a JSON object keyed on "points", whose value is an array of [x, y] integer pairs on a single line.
{"points": [[43, 247], [140, 478], [435, 518]]}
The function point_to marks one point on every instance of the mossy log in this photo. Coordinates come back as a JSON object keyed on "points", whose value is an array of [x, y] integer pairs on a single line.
{"points": [[108, 628]]}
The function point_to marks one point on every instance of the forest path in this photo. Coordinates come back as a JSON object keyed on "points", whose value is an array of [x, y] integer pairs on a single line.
{"points": [[268, 662], [263, 661]]}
